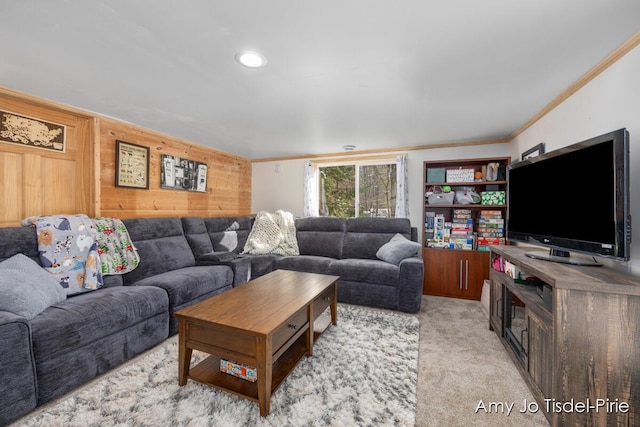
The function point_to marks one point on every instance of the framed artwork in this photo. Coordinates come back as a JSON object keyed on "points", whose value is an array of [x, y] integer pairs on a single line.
{"points": [[182, 174], [533, 152], [32, 132], [132, 165]]}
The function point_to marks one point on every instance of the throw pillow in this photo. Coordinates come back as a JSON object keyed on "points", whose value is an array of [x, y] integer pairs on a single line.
{"points": [[397, 249], [26, 288]]}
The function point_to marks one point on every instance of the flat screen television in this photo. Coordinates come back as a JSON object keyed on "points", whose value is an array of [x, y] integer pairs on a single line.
{"points": [[574, 199]]}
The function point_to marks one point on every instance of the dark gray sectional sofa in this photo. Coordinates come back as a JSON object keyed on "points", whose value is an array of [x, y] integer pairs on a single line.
{"points": [[182, 261], [345, 247]]}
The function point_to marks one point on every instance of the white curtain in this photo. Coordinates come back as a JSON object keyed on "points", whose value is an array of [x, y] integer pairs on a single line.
{"points": [[311, 205], [402, 194]]}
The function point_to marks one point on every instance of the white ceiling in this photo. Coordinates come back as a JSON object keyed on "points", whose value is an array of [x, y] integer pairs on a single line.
{"points": [[377, 74]]}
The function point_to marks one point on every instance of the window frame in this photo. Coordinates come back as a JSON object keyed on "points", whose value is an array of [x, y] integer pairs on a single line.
{"points": [[391, 160]]}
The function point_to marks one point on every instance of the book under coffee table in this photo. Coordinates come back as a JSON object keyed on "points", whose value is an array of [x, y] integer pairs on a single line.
{"points": [[266, 323]]}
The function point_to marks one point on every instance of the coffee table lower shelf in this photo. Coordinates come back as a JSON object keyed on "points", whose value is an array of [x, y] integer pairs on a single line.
{"points": [[208, 372]]}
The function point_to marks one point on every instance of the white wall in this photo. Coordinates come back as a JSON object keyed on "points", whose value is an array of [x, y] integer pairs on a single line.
{"points": [[611, 101], [273, 190]]}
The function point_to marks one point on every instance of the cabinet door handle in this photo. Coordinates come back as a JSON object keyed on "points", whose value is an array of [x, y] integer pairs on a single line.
{"points": [[524, 347], [460, 275], [466, 274], [499, 307]]}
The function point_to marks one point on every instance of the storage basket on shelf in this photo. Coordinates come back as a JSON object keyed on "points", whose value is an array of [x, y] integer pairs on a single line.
{"points": [[441, 198]]}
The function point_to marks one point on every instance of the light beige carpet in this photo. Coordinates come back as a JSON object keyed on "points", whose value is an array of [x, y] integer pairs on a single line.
{"points": [[463, 367]]}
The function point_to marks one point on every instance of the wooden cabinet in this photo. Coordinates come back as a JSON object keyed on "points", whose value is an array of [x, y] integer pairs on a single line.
{"points": [[455, 273], [539, 350], [450, 270], [579, 348], [496, 307]]}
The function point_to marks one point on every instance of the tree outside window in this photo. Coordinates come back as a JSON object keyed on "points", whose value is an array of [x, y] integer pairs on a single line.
{"points": [[364, 190]]}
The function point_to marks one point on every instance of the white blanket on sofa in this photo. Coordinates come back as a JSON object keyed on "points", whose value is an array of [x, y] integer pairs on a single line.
{"points": [[272, 233]]}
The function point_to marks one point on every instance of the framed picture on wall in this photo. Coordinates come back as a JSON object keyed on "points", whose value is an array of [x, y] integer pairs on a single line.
{"points": [[533, 151], [182, 174], [31, 132], [132, 165]]}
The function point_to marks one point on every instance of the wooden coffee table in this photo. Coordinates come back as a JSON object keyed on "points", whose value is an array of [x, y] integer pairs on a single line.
{"points": [[266, 323]]}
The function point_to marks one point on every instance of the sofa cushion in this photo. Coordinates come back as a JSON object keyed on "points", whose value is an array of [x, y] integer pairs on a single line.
{"points": [[228, 233], [17, 368], [82, 319], [92, 333], [111, 280], [306, 263], [185, 285], [26, 288], [364, 236], [397, 249], [261, 264], [365, 271], [372, 295], [161, 244], [19, 240], [196, 233], [320, 236]]}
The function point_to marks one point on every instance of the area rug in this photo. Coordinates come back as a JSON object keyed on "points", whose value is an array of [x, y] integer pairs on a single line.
{"points": [[363, 372]]}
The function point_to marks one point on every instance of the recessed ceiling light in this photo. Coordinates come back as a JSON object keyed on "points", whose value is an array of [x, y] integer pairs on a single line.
{"points": [[251, 59], [348, 147]]}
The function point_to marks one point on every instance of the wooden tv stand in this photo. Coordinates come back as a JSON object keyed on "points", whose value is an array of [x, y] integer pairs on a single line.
{"points": [[582, 347]]}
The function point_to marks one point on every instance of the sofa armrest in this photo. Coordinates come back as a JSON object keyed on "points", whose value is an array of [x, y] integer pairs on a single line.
{"points": [[410, 284], [18, 386], [215, 258]]}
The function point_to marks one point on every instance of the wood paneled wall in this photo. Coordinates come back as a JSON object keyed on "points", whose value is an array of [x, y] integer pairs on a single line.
{"points": [[37, 181], [228, 178], [82, 179]]}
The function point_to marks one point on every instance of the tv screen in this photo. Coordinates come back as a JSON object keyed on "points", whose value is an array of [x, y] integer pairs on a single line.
{"points": [[573, 199]]}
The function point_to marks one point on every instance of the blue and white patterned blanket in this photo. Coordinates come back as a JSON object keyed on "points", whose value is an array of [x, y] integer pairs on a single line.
{"points": [[68, 249]]}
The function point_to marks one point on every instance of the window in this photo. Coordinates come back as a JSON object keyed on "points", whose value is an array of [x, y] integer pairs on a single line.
{"points": [[360, 189]]}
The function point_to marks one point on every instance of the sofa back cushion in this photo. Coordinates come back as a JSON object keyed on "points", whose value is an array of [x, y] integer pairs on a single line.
{"points": [[161, 244], [23, 240], [228, 234], [320, 236], [364, 236], [196, 233], [19, 240]]}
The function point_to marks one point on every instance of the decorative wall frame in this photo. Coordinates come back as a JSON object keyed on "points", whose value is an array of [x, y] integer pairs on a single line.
{"points": [[534, 151], [132, 165], [32, 132], [182, 174]]}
